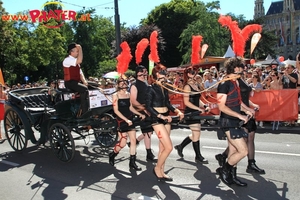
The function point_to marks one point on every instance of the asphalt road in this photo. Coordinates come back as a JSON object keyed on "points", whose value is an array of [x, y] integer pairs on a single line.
{"points": [[38, 174]]}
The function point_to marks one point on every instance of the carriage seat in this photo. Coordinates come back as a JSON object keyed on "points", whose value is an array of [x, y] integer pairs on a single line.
{"points": [[68, 91], [37, 103], [65, 90]]}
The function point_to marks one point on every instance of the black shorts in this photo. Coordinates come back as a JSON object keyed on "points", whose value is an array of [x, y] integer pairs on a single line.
{"points": [[155, 120], [231, 125], [192, 120], [145, 125], [123, 126], [250, 125]]}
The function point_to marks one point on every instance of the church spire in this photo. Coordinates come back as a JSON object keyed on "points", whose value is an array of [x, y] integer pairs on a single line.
{"points": [[259, 9]]}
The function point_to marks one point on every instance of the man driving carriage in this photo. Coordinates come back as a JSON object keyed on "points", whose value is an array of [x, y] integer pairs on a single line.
{"points": [[74, 77]]}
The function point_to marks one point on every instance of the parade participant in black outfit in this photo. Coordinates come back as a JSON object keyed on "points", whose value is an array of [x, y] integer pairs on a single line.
{"points": [[250, 128], [124, 110], [73, 76], [137, 96], [230, 105], [158, 104], [193, 104]]}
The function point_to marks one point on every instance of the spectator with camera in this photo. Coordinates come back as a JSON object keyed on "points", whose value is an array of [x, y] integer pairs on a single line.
{"points": [[290, 79]]}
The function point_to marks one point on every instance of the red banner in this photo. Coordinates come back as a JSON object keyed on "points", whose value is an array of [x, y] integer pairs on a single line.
{"points": [[275, 105]]}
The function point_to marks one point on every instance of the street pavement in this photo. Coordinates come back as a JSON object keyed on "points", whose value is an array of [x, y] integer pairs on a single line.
{"points": [[37, 174]]}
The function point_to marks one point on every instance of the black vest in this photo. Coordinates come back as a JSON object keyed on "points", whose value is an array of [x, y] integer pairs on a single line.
{"points": [[141, 87]]}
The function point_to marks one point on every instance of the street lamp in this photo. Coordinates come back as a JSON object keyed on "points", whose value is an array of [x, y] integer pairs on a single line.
{"points": [[117, 27]]}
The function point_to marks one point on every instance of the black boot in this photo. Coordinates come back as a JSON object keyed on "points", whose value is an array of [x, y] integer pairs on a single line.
{"points": [[199, 157], [224, 173], [252, 167], [235, 179], [112, 156], [180, 147], [137, 143], [221, 158], [132, 164], [150, 156]]}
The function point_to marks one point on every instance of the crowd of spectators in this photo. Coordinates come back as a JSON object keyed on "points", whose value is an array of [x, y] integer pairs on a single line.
{"points": [[270, 77]]}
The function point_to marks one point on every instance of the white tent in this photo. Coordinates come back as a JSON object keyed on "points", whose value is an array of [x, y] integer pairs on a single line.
{"points": [[268, 61], [229, 53], [269, 57], [290, 62]]}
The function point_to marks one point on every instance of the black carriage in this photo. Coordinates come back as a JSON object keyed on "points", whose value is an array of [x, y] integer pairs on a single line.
{"points": [[53, 114]]}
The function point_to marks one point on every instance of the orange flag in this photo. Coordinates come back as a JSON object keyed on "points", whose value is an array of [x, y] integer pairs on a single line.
{"points": [[1, 77], [255, 38]]}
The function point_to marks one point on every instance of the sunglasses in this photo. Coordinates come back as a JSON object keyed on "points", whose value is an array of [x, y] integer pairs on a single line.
{"points": [[124, 82], [162, 72], [162, 79]]}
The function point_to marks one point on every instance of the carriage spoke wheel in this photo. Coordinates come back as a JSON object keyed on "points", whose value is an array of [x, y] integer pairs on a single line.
{"points": [[62, 142], [106, 131], [14, 130]]}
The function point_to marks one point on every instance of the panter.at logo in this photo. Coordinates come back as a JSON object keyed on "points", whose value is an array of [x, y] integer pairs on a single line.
{"points": [[43, 16]]}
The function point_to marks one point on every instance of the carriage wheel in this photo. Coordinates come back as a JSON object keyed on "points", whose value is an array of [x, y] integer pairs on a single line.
{"points": [[14, 130], [106, 131], [62, 142]]}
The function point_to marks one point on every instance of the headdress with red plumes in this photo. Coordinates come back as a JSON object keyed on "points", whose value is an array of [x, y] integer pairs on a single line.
{"points": [[250, 29], [153, 56], [238, 36], [196, 46], [140, 49], [124, 58], [238, 42]]}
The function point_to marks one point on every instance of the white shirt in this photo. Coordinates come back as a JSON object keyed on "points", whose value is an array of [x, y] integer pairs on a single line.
{"points": [[70, 61]]}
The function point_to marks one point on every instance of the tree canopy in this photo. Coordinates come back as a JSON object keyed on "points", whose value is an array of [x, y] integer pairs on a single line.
{"points": [[37, 51]]}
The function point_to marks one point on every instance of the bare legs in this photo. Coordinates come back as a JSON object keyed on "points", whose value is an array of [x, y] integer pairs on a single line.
{"points": [[165, 147], [147, 139], [237, 150], [121, 144], [195, 139]]}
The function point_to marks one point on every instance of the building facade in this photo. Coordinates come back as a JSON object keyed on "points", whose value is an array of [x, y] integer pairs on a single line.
{"points": [[282, 17]]}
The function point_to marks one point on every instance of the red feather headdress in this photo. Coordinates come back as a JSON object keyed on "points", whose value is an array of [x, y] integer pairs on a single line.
{"points": [[238, 42], [238, 36], [153, 56], [196, 46], [124, 58], [140, 49], [250, 29]]}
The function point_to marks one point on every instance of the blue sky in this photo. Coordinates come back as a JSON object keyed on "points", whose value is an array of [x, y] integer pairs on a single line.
{"points": [[131, 11]]}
